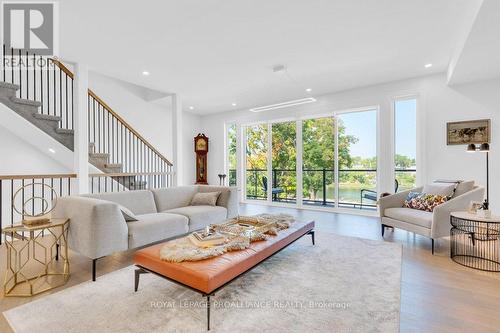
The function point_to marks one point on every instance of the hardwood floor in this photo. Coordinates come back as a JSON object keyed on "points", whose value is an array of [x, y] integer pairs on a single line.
{"points": [[437, 295]]}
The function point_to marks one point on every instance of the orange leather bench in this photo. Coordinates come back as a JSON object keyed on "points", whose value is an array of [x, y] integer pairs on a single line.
{"points": [[209, 275]]}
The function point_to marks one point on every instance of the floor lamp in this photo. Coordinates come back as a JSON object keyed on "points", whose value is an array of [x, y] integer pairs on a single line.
{"points": [[483, 148]]}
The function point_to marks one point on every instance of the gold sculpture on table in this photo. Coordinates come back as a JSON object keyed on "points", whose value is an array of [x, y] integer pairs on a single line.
{"points": [[38, 218], [33, 248]]}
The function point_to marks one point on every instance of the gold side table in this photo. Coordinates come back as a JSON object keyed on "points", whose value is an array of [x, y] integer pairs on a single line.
{"points": [[37, 258]]}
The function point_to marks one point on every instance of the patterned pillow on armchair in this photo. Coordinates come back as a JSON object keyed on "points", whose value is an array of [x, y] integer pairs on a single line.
{"points": [[423, 201]]}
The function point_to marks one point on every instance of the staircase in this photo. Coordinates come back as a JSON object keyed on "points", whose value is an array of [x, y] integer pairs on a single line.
{"points": [[29, 110], [45, 99]]}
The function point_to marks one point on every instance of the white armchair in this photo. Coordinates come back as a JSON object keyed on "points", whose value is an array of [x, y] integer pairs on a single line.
{"points": [[434, 224]]}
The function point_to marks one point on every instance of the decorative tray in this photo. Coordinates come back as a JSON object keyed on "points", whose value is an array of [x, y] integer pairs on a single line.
{"points": [[244, 226]]}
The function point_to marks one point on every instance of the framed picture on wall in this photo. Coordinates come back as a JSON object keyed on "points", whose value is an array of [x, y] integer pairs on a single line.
{"points": [[469, 131]]}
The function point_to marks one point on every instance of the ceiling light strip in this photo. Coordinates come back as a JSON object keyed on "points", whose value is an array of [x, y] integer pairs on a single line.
{"points": [[284, 104]]}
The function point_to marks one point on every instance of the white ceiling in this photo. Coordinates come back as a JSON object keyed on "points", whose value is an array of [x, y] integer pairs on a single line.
{"points": [[479, 58], [216, 52]]}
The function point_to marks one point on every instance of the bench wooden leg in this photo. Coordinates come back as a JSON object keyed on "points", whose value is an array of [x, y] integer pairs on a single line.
{"points": [[208, 312], [93, 268], [138, 273], [312, 236]]}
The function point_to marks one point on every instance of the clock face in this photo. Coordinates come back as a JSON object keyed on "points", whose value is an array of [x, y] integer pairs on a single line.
{"points": [[201, 145]]}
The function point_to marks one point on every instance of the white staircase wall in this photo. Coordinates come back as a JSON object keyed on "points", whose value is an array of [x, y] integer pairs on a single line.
{"points": [[24, 149], [152, 118]]}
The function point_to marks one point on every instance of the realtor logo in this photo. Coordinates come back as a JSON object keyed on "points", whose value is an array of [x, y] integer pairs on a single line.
{"points": [[30, 27]]}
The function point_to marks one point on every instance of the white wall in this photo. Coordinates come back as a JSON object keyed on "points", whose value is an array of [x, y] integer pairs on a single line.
{"points": [[191, 128], [19, 157], [438, 104], [153, 120]]}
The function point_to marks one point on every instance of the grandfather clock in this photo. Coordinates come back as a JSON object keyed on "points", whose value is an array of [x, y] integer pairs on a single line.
{"points": [[201, 150]]}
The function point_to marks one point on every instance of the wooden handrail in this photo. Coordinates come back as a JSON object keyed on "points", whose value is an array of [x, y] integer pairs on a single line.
{"points": [[128, 126], [63, 68], [131, 174], [120, 119], [57, 175]]}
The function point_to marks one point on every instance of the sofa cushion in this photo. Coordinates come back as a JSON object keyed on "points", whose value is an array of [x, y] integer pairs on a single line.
{"points": [[225, 193], [424, 201], [174, 197], [413, 216], [205, 199], [139, 202], [443, 189], [201, 216], [155, 227]]}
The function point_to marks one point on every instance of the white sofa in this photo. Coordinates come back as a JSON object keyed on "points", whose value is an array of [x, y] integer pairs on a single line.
{"points": [[98, 227], [434, 224]]}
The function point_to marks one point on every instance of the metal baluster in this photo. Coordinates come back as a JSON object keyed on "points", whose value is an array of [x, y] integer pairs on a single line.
{"points": [[27, 77], [12, 65], [60, 94], [41, 84], [107, 135], [103, 115], [66, 91], [48, 85], [3, 74], [20, 76]]}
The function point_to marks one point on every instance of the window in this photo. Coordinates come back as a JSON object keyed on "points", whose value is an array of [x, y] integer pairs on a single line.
{"points": [[357, 159], [405, 143], [338, 155], [231, 154], [256, 161], [284, 180], [318, 171]]}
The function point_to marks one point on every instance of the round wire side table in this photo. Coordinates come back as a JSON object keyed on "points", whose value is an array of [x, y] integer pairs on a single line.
{"points": [[475, 241]]}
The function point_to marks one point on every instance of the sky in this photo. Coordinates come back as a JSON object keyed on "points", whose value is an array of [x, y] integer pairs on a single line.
{"points": [[363, 125]]}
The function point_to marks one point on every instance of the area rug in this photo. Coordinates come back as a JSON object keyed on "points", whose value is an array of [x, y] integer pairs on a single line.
{"points": [[342, 284]]}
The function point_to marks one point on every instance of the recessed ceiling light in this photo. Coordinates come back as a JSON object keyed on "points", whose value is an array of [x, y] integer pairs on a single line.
{"points": [[308, 89], [233, 104], [284, 104], [146, 73], [52, 150], [191, 108], [428, 65]]}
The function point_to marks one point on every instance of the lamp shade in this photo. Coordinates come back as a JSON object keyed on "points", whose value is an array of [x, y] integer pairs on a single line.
{"points": [[471, 148]]}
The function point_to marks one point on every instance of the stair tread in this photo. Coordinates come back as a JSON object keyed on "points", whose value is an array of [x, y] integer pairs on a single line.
{"points": [[8, 85], [47, 117], [25, 101], [113, 165], [99, 154], [65, 131]]}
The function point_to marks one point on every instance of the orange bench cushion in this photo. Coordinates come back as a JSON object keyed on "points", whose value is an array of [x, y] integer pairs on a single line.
{"points": [[209, 274]]}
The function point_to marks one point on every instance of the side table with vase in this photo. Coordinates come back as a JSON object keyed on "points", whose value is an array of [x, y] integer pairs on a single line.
{"points": [[37, 257], [475, 241]]}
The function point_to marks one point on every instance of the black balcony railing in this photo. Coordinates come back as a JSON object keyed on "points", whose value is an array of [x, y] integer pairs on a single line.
{"points": [[320, 184]]}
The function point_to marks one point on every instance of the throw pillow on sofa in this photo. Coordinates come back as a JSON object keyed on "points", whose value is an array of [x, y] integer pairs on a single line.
{"points": [[127, 214], [442, 189], [205, 199], [424, 201]]}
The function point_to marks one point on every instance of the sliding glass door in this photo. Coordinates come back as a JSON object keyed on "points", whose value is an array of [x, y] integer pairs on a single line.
{"points": [[337, 156], [231, 142], [284, 173], [357, 159], [318, 156], [256, 161]]}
